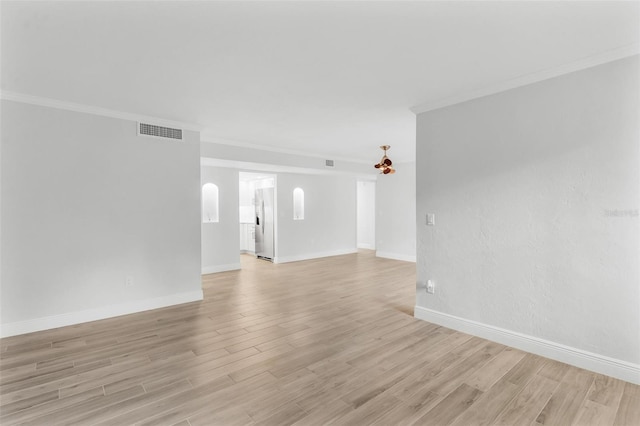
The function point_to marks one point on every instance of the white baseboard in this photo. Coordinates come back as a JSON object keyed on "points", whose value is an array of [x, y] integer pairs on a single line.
{"points": [[220, 268], [366, 246], [309, 256], [72, 318], [619, 369], [396, 256]]}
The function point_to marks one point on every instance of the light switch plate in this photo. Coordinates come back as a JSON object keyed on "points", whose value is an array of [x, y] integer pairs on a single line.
{"points": [[431, 219]]}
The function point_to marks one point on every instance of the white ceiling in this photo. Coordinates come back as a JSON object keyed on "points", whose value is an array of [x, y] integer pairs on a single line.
{"points": [[332, 78]]}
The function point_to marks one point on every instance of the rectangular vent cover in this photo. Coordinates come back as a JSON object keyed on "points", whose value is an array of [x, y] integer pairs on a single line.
{"points": [[328, 163], [159, 131]]}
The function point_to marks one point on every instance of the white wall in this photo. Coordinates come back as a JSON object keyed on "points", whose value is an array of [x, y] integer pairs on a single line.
{"points": [[85, 204], [366, 214], [246, 202], [396, 213], [254, 155], [329, 225], [221, 240], [247, 217], [536, 196]]}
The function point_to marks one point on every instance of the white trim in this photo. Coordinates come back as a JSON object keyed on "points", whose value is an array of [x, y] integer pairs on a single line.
{"points": [[366, 246], [619, 369], [588, 62], [72, 318], [87, 109], [208, 138], [220, 268], [396, 256], [310, 256]]}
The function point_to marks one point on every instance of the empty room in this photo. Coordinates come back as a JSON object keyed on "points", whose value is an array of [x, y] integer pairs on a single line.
{"points": [[320, 212]]}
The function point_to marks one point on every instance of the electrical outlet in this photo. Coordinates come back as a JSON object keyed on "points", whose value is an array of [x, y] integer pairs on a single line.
{"points": [[128, 281], [431, 286]]}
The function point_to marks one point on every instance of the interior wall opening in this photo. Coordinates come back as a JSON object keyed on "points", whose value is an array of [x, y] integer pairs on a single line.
{"points": [[257, 214]]}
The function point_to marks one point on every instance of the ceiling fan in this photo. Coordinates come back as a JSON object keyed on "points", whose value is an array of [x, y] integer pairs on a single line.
{"points": [[385, 164]]}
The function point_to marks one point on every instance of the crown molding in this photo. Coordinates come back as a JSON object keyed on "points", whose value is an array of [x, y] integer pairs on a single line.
{"points": [[88, 109], [104, 112], [588, 62], [240, 144], [276, 168]]}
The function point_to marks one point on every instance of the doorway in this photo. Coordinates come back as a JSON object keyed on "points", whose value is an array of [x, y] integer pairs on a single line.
{"points": [[257, 214]]}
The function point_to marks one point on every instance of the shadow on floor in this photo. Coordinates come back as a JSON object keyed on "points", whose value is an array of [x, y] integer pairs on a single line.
{"points": [[404, 309]]}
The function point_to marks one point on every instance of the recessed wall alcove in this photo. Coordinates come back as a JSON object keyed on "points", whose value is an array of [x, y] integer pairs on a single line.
{"points": [[210, 208], [298, 204]]}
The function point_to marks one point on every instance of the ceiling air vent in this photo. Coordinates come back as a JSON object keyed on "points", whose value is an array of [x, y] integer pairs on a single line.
{"points": [[159, 131], [328, 163]]}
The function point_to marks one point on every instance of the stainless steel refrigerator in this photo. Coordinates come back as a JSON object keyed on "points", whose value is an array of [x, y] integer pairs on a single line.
{"points": [[264, 223]]}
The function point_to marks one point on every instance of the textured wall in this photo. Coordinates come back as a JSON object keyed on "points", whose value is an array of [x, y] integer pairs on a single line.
{"points": [[396, 213], [536, 195], [86, 203], [329, 225], [366, 214]]}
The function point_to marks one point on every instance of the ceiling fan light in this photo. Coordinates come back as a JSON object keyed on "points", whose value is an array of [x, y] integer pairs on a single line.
{"points": [[385, 163]]}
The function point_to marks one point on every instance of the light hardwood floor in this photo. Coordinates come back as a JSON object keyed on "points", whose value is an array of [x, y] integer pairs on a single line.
{"points": [[328, 341]]}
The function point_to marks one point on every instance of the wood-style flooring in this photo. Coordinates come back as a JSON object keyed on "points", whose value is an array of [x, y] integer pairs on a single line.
{"points": [[327, 341]]}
